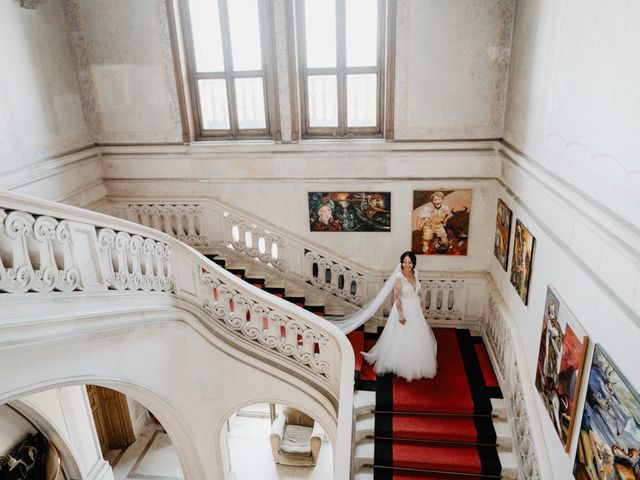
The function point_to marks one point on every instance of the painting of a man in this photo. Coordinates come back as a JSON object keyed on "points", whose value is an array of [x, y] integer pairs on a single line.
{"points": [[503, 228], [523, 243], [441, 222]]}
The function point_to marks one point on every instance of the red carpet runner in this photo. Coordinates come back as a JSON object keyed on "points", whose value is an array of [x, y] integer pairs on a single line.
{"points": [[441, 428]]}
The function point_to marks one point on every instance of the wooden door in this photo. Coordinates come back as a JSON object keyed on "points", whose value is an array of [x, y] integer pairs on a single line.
{"points": [[112, 416], [98, 418]]}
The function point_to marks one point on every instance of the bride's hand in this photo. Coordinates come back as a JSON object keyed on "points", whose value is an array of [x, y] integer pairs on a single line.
{"points": [[403, 321]]}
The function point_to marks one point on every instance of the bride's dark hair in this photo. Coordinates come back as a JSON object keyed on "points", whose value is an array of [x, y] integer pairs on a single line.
{"points": [[412, 257]]}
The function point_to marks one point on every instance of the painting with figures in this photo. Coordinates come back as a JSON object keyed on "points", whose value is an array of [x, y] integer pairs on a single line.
{"points": [[503, 229], [609, 440], [350, 211], [523, 243], [563, 345], [440, 222]]}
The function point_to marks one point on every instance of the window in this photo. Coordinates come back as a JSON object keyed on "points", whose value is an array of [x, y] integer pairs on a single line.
{"points": [[226, 51], [340, 60]]}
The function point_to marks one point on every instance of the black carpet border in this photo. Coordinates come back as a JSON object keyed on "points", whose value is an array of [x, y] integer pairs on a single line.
{"points": [[383, 449], [489, 459]]}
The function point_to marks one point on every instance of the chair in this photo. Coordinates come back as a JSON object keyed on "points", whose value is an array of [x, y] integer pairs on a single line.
{"points": [[295, 438]]}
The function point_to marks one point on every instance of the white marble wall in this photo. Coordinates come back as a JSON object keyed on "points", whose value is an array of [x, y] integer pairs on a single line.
{"points": [[123, 53], [573, 97], [40, 107], [272, 185], [572, 113], [451, 68]]}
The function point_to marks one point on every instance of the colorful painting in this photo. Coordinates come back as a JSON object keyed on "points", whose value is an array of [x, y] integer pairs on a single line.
{"points": [[523, 243], [609, 441], [563, 345], [440, 223], [350, 211], [503, 228]]}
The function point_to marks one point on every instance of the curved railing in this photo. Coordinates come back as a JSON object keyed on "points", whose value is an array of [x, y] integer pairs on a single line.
{"points": [[506, 347], [207, 223], [47, 247]]}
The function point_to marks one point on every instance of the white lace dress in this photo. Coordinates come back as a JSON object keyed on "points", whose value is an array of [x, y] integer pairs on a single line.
{"points": [[407, 350]]}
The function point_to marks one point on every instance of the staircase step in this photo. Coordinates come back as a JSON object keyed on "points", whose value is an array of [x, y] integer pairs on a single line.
{"points": [[255, 281], [367, 473], [450, 429], [363, 402], [440, 459], [498, 410]]}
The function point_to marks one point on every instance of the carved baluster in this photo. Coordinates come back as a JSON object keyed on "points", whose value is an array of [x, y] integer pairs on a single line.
{"points": [[159, 261], [120, 245], [439, 298], [148, 264], [18, 227], [134, 255], [334, 285], [68, 279], [450, 299], [106, 240], [179, 219], [46, 271]]}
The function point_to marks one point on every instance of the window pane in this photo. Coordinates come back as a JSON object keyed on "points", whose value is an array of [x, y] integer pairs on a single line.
{"points": [[213, 104], [361, 100], [320, 32], [207, 40], [323, 101], [362, 33], [250, 102], [245, 35]]}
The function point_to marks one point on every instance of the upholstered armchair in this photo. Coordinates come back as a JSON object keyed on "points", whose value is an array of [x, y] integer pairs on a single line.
{"points": [[295, 438]]}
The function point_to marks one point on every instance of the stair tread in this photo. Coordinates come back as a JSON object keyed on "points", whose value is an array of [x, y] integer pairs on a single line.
{"points": [[367, 473], [365, 426], [365, 451]]}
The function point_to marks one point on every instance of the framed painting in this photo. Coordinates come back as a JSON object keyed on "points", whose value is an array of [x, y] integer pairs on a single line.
{"points": [[609, 440], [563, 345], [523, 243], [350, 211], [503, 229], [440, 222]]}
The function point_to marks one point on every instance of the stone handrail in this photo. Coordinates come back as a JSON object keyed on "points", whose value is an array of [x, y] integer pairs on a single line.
{"points": [[506, 347], [47, 247], [207, 223]]}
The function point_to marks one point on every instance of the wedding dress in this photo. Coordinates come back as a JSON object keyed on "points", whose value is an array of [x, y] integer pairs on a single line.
{"points": [[407, 350]]}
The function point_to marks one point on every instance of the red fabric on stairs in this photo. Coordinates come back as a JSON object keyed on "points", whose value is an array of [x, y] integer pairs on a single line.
{"points": [[488, 374], [444, 458], [448, 392]]}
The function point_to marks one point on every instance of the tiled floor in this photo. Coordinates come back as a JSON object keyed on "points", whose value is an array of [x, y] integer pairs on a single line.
{"points": [[152, 456], [249, 439]]}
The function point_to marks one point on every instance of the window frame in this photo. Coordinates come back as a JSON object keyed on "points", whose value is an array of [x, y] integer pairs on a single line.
{"points": [[341, 71], [269, 83]]}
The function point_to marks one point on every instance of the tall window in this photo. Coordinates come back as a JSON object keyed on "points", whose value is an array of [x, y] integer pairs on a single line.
{"points": [[341, 76], [226, 51]]}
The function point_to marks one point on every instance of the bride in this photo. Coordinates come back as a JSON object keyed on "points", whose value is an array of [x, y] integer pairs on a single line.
{"points": [[406, 346]]}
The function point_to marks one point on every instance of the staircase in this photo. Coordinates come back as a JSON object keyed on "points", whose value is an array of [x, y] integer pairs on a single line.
{"points": [[453, 426], [450, 427]]}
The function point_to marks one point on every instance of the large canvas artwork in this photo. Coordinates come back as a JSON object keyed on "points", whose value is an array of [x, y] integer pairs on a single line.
{"points": [[440, 223], [503, 228], [350, 211], [523, 243], [561, 355], [609, 441]]}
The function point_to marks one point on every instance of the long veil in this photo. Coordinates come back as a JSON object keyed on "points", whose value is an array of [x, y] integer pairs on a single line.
{"points": [[348, 323]]}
